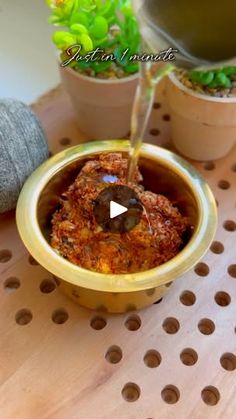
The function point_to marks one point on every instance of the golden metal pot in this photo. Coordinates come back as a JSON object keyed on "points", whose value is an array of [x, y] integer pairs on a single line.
{"points": [[164, 172]]}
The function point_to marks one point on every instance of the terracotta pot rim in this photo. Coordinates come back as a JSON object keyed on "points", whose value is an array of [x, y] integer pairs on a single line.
{"points": [[123, 80], [204, 97]]}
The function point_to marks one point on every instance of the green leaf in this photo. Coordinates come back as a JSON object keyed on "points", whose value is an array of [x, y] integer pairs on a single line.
{"points": [[65, 5], [83, 65], [99, 67], [64, 57], [87, 6], [195, 76], [78, 29], [80, 17], [213, 85], [99, 28], [206, 78], [54, 20], [229, 71], [99, 4], [108, 9], [132, 68], [86, 42], [133, 29], [126, 8], [63, 40], [118, 52], [101, 43], [222, 80]]}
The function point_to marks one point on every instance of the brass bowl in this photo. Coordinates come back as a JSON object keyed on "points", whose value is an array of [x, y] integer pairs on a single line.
{"points": [[164, 172]]}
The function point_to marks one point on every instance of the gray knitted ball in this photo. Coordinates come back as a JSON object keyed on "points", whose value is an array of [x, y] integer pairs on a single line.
{"points": [[23, 148]]}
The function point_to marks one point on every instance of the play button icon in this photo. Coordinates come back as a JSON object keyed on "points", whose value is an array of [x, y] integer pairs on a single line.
{"points": [[117, 209]]}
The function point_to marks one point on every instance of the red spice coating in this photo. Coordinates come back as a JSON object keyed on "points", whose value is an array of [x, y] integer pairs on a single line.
{"points": [[76, 235]]}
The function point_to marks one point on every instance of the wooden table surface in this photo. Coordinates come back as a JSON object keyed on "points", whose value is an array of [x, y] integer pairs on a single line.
{"points": [[175, 359]]}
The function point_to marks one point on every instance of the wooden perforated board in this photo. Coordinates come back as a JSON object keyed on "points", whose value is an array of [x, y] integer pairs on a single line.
{"points": [[175, 359]]}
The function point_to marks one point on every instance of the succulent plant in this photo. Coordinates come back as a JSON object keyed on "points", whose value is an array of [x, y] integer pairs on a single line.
{"points": [[108, 24], [213, 79]]}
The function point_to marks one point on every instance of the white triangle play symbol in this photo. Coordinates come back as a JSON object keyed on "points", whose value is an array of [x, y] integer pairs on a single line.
{"points": [[116, 209]]}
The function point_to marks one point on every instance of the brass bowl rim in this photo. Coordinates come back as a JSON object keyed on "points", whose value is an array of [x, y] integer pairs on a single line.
{"points": [[32, 237]]}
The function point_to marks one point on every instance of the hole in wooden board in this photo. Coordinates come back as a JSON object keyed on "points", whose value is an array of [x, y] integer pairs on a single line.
{"points": [[223, 184], [222, 298], [11, 284], [187, 298], [60, 316], [228, 361], [98, 323], [210, 395], [131, 392], [23, 317], [209, 165], [158, 301], [170, 394], [32, 261], [202, 269], [65, 141], [114, 354], [152, 358], [217, 247], [133, 323], [5, 255], [232, 271], [166, 117], [189, 356], [229, 225], [154, 132], [156, 105], [206, 326], [233, 167], [171, 325], [47, 286]]}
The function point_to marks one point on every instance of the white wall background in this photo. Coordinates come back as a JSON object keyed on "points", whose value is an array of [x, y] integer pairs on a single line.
{"points": [[28, 65]]}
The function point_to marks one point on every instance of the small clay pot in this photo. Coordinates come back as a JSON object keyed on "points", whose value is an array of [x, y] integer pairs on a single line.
{"points": [[102, 107], [202, 127]]}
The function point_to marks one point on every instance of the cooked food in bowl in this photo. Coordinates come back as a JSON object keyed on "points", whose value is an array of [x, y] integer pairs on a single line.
{"points": [[159, 236]]}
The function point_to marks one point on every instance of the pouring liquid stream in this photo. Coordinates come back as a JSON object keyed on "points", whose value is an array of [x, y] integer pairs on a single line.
{"points": [[142, 109]]}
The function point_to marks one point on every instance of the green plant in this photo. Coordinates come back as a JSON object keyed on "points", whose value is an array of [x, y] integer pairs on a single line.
{"points": [[214, 78], [106, 24]]}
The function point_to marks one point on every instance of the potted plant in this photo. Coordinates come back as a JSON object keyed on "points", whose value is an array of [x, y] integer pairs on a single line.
{"points": [[96, 43], [203, 112]]}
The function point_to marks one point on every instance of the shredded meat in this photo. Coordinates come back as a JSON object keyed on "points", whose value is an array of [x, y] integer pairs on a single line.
{"points": [[157, 238]]}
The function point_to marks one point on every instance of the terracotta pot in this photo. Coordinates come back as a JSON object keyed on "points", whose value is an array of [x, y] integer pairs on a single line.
{"points": [[203, 127], [102, 107]]}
